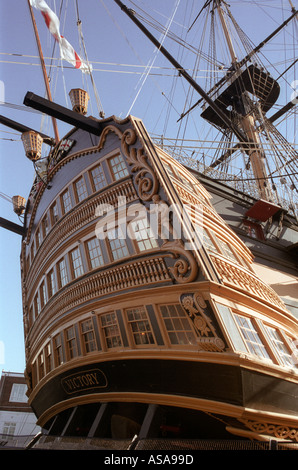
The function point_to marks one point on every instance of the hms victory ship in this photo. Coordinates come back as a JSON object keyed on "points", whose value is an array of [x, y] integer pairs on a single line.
{"points": [[151, 311]]}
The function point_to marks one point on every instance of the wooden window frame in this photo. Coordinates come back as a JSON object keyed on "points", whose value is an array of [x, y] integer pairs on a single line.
{"points": [[139, 331], [92, 178], [88, 252], [72, 266], [124, 169], [64, 206], [84, 334], [185, 317], [78, 197], [107, 331]]}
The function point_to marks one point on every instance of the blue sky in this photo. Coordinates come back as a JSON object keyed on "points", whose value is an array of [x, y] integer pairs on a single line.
{"points": [[117, 49]]}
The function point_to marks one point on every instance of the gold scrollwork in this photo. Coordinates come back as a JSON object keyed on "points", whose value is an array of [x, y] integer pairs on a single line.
{"points": [[208, 340], [186, 268], [145, 177]]}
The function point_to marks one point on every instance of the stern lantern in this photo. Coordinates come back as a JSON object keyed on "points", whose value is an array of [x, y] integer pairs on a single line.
{"points": [[32, 142], [79, 99]]}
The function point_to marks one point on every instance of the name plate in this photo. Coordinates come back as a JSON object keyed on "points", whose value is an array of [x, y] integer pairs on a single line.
{"points": [[85, 380]]}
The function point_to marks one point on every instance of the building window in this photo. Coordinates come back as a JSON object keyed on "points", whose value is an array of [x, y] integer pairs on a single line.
{"points": [[52, 283], [94, 253], [117, 244], [111, 330], [77, 265], [58, 353], [71, 342], [140, 326], [66, 201], [80, 189], [251, 337], [8, 430], [118, 167], [143, 234], [88, 336], [98, 178], [280, 347], [62, 269], [177, 325], [18, 393], [54, 213]]}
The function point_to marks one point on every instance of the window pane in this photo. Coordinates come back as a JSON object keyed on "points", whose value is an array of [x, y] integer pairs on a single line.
{"points": [[45, 226], [58, 350], [43, 297], [111, 330], [63, 273], [48, 352], [81, 189], [54, 213], [280, 347], [118, 167], [143, 235], [71, 342], [77, 263], [207, 242], [226, 250], [95, 254], [18, 393], [52, 283], [98, 177], [252, 339], [8, 430], [66, 201], [117, 244], [179, 330], [140, 326], [88, 336]]}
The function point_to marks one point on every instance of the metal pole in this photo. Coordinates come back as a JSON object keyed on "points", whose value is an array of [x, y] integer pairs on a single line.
{"points": [[45, 76]]}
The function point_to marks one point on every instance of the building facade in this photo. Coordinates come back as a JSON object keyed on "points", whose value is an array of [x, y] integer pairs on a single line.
{"points": [[17, 420]]}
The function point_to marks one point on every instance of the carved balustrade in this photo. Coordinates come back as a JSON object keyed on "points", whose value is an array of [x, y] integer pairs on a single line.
{"points": [[236, 276], [76, 219], [141, 272]]}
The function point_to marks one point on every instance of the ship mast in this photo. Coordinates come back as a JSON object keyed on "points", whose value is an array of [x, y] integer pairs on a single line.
{"points": [[45, 76], [248, 123]]}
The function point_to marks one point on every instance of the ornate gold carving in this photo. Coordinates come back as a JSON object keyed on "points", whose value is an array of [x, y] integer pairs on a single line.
{"points": [[208, 340], [186, 268], [145, 177], [277, 430]]}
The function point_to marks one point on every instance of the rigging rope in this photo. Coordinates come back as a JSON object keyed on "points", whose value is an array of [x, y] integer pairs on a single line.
{"points": [[97, 98], [149, 65]]}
